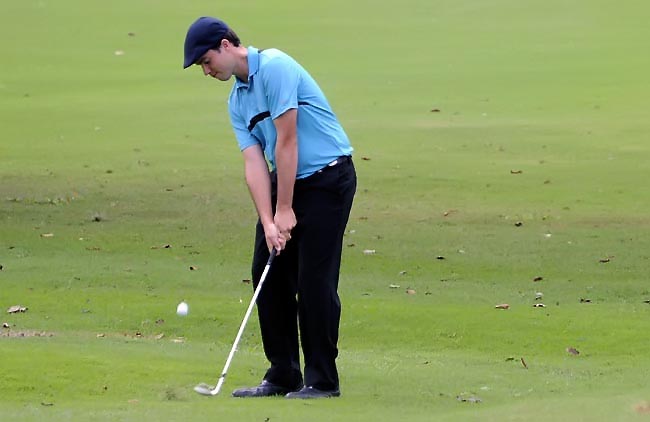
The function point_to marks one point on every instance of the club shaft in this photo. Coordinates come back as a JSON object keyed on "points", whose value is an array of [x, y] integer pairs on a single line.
{"points": [[256, 293]]}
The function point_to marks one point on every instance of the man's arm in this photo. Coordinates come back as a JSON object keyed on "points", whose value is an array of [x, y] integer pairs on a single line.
{"points": [[259, 185], [286, 163]]}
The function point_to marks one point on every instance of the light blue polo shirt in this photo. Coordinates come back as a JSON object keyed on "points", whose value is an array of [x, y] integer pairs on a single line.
{"points": [[277, 83]]}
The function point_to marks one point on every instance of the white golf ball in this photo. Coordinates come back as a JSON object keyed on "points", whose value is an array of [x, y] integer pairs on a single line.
{"points": [[182, 309]]}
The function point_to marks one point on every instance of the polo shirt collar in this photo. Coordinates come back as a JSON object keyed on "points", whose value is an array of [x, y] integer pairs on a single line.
{"points": [[253, 58]]}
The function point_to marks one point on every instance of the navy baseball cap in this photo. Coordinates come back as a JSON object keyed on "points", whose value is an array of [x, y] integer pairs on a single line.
{"points": [[203, 34]]}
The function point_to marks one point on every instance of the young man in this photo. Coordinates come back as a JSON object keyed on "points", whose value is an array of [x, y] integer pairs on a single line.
{"points": [[280, 116]]}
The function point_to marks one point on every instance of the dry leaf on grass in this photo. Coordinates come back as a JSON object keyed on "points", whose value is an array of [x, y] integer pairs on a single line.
{"points": [[16, 309], [643, 407], [468, 398], [166, 246], [502, 306], [572, 351]]}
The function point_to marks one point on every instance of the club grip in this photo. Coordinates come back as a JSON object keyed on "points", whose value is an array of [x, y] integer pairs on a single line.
{"points": [[272, 255]]}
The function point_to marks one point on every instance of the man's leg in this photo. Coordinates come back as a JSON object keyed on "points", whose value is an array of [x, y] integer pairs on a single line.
{"points": [[322, 203], [277, 311]]}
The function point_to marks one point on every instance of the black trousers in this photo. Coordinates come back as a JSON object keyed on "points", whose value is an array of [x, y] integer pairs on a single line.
{"points": [[300, 290]]}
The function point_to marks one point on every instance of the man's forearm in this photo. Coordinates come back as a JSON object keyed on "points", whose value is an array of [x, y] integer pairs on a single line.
{"points": [[286, 161], [259, 186]]}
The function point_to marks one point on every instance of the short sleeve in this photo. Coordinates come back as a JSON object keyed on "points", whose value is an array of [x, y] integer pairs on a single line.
{"points": [[244, 137], [280, 78]]}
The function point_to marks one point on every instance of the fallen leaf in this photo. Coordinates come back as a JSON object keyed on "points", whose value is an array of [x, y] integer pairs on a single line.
{"points": [[538, 278], [582, 300], [159, 336], [178, 340], [519, 224], [369, 251], [440, 257], [166, 246], [410, 291], [539, 305], [643, 407], [160, 321], [402, 273], [46, 404], [448, 213], [5, 325], [47, 234], [502, 306], [119, 52], [539, 296], [435, 110], [572, 351], [646, 301], [468, 398], [16, 309], [365, 158], [193, 268], [246, 281], [605, 260], [101, 335], [523, 362], [394, 286], [516, 171], [131, 34]]}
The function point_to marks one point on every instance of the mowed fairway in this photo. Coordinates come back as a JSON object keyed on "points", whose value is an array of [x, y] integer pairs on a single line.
{"points": [[497, 143]]}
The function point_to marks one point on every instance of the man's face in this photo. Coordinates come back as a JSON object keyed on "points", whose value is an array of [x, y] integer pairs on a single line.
{"points": [[218, 64]]}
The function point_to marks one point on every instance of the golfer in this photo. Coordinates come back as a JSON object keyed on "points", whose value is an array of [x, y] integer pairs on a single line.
{"points": [[299, 171]]}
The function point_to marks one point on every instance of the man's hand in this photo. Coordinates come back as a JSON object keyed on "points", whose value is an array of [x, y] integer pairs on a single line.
{"points": [[285, 221], [274, 239]]}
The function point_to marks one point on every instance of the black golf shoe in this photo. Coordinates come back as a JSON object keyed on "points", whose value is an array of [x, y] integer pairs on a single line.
{"points": [[313, 393], [265, 389]]}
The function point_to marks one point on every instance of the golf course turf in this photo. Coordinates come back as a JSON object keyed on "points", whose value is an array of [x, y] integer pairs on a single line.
{"points": [[503, 156]]}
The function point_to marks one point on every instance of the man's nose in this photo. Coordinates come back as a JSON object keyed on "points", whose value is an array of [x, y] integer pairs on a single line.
{"points": [[206, 69]]}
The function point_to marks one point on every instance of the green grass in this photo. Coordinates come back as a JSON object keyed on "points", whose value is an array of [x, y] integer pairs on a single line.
{"points": [[542, 121]]}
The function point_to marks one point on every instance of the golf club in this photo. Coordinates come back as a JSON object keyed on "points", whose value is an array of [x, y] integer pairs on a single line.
{"points": [[208, 390]]}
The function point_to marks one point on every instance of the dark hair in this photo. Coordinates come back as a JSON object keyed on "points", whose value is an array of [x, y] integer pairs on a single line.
{"points": [[230, 36]]}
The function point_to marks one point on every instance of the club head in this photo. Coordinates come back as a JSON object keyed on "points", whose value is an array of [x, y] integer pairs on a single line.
{"points": [[206, 390]]}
